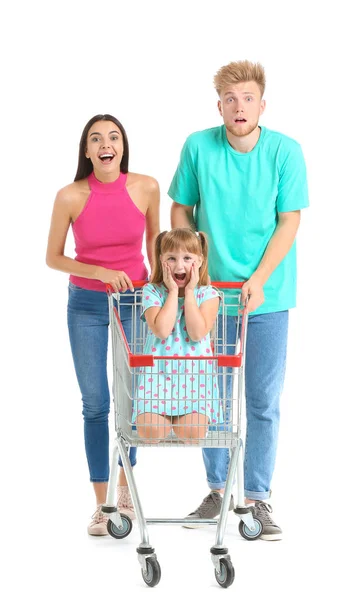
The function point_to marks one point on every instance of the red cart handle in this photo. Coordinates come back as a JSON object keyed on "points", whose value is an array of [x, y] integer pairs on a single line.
{"points": [[228, 285], [136, 284], [224, 285]]}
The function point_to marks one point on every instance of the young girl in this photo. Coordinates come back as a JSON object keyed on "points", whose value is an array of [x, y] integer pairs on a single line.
{"points": [[180, 308]]}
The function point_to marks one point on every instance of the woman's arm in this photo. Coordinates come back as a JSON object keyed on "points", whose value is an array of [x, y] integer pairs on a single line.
{"points": [[55, 257], [152, 228], [60, 223]]}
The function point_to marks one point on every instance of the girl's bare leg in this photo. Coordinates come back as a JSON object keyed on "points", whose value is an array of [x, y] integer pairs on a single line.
{"points": [[153, 427], [191, 427]]}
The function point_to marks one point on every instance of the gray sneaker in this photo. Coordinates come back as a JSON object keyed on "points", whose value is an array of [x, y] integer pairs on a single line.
{"points": [[270, 532], [208, 509]]}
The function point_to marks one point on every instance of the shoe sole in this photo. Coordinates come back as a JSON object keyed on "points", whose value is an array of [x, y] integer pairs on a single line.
{"points": [[274, 537]]}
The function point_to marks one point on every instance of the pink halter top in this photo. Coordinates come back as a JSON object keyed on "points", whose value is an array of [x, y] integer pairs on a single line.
{"points": [[109, 232]]}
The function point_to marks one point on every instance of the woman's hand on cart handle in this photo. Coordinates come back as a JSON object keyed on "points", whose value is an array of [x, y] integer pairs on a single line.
{"points": [[252, 294], [136, 284], [118, 280]]}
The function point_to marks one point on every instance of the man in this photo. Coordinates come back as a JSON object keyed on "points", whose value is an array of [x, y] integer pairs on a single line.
{"points": [[247, 185]]}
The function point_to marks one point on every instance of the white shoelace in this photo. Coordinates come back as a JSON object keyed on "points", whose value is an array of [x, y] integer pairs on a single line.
{"points": [[263, 510], [98, 516]]}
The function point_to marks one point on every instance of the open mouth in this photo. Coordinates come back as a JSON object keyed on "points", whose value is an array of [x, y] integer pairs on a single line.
{"points": [[240, 120], [179, 276], [106, 158]]}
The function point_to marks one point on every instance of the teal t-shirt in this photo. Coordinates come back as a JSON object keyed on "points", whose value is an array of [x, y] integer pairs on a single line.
{"points": [[237, 198]]}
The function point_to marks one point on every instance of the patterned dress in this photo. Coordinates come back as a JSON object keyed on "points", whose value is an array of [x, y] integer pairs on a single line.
{"points": [[178, 386]]}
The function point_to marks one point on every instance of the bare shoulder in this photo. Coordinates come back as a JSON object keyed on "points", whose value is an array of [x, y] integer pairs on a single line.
{"points": [[144, 182], [73, 193]]}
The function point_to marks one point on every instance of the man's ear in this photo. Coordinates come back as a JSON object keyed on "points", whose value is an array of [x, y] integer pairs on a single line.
{"points": [[219, 108]]}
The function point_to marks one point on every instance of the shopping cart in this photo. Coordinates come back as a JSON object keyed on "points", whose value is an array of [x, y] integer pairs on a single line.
{"points": [[137, 376]]}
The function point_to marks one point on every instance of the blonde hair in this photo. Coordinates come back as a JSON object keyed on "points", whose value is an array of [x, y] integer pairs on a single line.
{"points": [[181, 239], [236, 72]]}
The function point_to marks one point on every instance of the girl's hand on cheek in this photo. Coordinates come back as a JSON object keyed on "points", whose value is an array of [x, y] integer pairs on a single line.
{"points": [[168, 279], [194, 277]]}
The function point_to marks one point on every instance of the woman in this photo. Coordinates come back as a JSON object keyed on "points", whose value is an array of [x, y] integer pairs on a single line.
{"points": [[109, 210]]}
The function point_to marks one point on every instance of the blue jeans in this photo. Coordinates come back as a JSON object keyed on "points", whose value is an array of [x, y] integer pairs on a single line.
{"points": [[266, 347], [88, 321]]}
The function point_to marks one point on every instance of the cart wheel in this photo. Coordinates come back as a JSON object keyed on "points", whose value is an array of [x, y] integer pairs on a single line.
{"points": [[120, 533], [153, 574], [247, 534], [227, 573]]}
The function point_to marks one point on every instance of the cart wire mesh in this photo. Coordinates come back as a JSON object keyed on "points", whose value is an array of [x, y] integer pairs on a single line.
{"points": [[203, 393]]}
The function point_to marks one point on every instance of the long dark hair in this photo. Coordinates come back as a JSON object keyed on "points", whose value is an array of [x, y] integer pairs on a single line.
{"points": [[85, 166], [181, 239]]}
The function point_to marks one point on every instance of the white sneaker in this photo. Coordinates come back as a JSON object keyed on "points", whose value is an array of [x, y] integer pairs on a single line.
{"points": [[124, 503], [98, 525]]}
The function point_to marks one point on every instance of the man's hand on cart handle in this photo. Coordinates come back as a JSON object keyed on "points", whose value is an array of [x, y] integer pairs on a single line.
{"points": [[119, 280], [252, 294]]}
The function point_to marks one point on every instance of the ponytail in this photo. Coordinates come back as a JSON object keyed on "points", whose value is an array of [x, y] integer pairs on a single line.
{"points": [[203, 271], [157, 274]]}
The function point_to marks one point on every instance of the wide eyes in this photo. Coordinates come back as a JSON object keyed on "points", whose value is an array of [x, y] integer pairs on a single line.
{"points": [[113, 138], [231, 99], [186, 258]]}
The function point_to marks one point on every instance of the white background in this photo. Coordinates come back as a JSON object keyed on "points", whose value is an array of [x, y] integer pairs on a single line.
{"points": [[151, 64]]}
